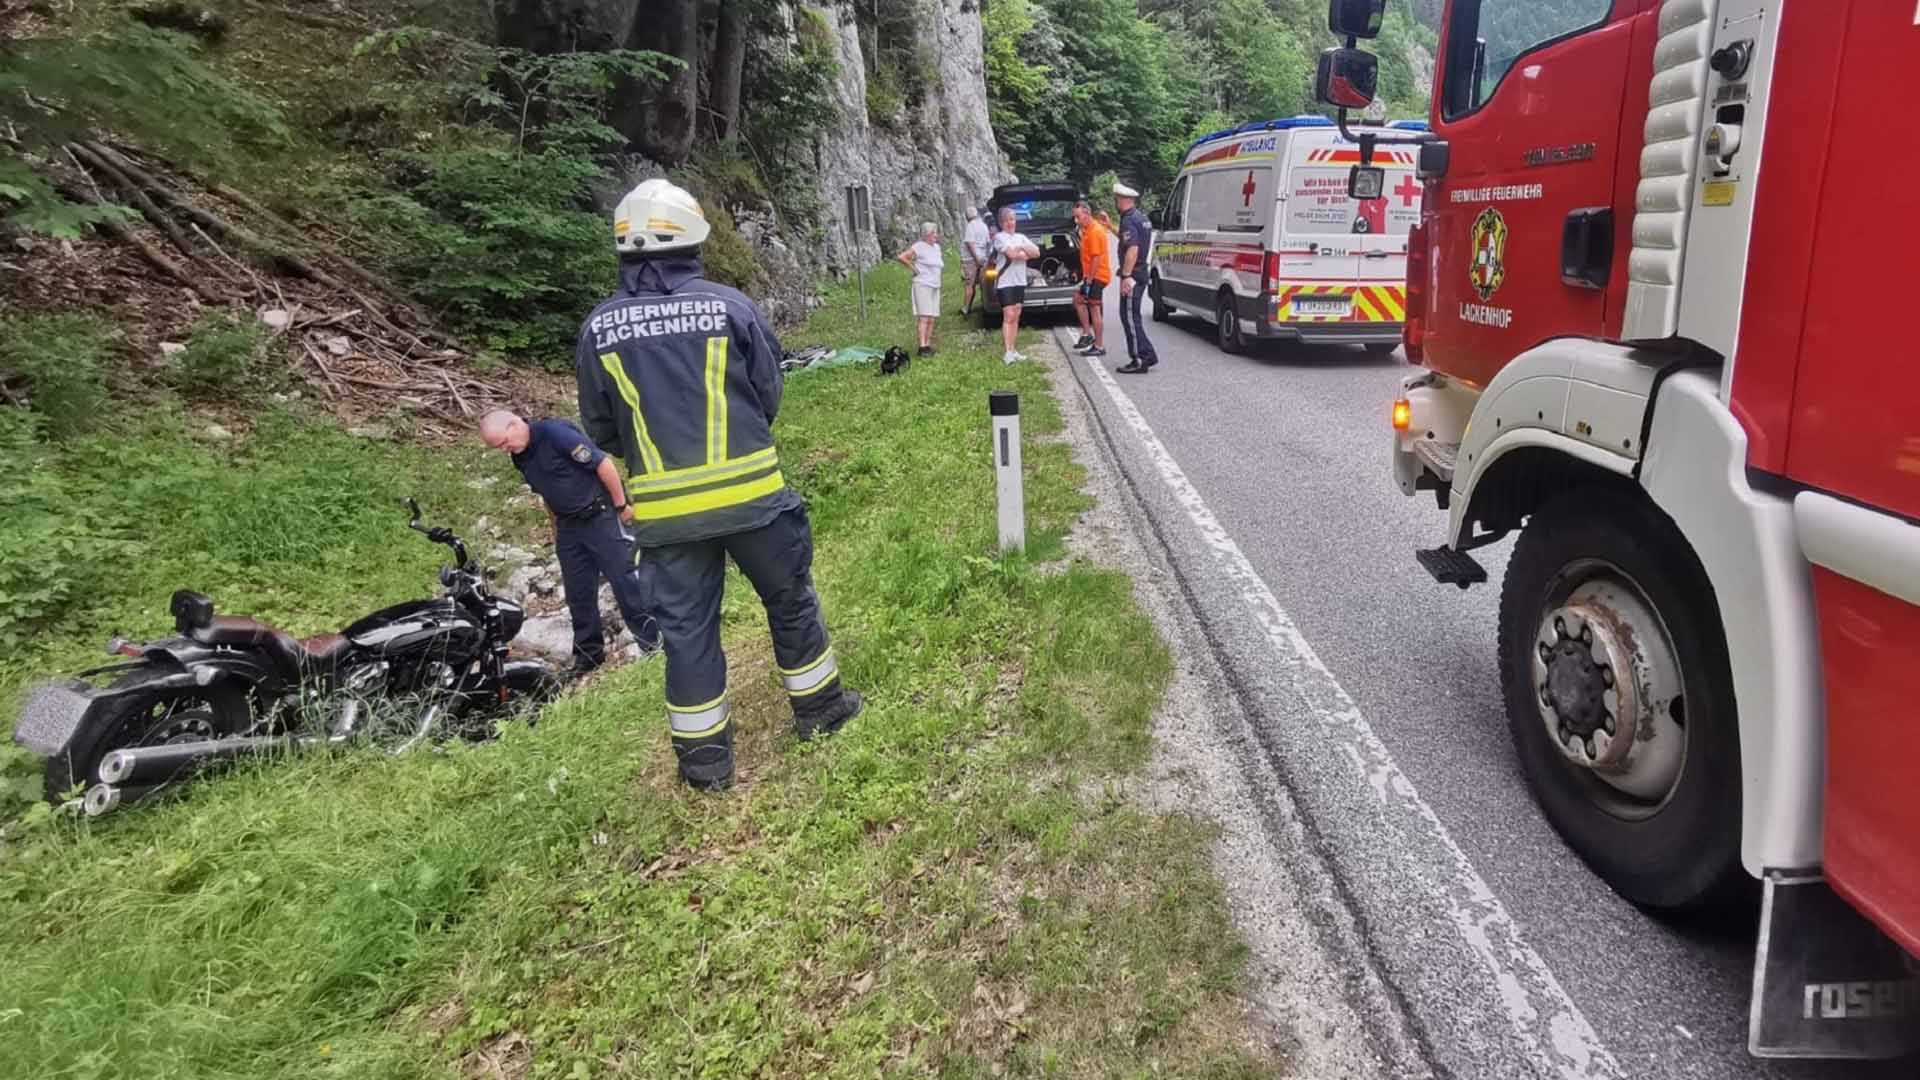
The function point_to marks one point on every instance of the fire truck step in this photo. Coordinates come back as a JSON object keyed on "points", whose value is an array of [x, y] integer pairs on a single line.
{"points": [[1450, 567]]}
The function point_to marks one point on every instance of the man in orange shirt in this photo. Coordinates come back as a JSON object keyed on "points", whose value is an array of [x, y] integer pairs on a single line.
{"points": [[1095, 272]]}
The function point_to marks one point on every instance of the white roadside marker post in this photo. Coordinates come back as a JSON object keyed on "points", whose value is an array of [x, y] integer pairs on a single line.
{"points": [[1004, 407]]}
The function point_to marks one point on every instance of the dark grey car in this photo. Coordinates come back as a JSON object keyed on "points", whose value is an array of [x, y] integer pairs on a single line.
{"points": [[1044, 214]]}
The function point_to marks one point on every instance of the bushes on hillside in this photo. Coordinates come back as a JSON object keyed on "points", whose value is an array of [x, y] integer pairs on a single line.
{"points": [[60, 360], [501, 242]]}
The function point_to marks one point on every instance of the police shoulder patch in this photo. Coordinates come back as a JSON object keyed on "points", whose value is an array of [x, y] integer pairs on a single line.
{"points": [[583, 453]]}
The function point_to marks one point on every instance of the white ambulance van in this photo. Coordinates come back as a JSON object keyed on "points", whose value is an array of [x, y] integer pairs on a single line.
{"points": [[1259, 238]]}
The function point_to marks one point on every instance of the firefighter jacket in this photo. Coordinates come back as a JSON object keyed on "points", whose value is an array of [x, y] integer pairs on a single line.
{"points": [[683, 375]]}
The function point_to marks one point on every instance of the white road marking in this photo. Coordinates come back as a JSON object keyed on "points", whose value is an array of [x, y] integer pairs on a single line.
{"points": [[1542, 1015]]}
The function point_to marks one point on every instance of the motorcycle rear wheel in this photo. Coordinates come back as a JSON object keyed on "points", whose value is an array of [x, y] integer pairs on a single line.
{"points": [[151, 718]]}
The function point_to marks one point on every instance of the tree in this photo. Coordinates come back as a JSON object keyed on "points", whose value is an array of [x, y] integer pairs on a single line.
{"points": [[726, 69], [658, 117]]}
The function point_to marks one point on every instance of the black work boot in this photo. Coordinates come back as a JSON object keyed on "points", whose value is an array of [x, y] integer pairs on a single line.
{"points": [[826, 715], [706, 764]]}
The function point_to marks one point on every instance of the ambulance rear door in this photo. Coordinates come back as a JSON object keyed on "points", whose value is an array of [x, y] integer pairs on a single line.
{"points": [[1380, 231], [1318, 252]]}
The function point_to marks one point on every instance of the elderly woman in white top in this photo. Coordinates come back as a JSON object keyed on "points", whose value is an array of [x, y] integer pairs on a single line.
{"points": [[926, 261]]}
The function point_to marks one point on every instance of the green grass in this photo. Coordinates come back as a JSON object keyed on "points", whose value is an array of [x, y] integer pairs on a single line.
{"points": [[947, 888]]}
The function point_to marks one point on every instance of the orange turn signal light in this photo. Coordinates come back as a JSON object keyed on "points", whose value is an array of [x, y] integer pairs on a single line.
{"points": [[1402, 415]]}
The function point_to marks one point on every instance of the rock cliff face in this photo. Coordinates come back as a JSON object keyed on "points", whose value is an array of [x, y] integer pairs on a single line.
{"points": [[925, 164]]}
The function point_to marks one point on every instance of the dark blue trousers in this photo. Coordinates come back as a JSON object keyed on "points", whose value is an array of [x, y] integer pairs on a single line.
{"points": [[1138, 347], [589, 548], [684, 582]]}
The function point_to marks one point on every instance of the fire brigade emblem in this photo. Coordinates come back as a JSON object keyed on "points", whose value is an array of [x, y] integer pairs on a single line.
{"points": [[1489, 242]]}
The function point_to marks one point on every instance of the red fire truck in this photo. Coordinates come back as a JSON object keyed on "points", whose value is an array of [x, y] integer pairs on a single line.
{"points": [[1643, 295]]}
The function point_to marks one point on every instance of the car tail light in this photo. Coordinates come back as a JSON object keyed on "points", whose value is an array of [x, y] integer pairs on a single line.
{"points": [[1270, 271], [1413, 333]]}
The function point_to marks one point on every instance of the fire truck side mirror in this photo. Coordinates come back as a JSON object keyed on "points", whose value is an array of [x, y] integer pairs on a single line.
{"points": [[1347, 78], [1366, 182], [1356, 18]]}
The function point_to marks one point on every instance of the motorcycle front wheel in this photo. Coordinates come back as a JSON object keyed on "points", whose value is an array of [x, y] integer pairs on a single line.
{"points": [[152, 717]]}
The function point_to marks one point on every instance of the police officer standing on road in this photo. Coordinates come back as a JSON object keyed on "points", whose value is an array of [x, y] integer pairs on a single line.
{"points": [[684, 375], [1136, 243], [582, 492]]}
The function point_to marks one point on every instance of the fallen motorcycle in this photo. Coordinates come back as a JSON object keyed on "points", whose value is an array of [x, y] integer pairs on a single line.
{"points": [[230, 686]]}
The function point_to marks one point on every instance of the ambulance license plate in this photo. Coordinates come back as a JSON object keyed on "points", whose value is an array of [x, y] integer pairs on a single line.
{"points": [[1321, 305]]}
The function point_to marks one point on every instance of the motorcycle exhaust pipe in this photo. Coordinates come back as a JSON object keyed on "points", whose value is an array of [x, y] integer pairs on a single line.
{"points": [[149, 765], [105, 798]]}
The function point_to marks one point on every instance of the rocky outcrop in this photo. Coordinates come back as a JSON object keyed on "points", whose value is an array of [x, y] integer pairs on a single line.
{"points": [[926, 164]]}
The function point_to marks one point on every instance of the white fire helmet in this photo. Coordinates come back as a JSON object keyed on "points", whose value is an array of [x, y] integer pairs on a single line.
{"points": [[656, 217]]}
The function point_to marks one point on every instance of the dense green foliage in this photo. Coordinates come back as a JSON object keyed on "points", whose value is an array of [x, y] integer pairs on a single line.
{"points": [[60, 362], [489, 217], [219, 353], [1081, 86]]}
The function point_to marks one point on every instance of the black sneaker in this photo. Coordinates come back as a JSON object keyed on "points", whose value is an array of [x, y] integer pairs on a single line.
{"points": [[825, 721], [1087, 348], [1131, 367], [925, 350], [1094, 351], [1086, 341]]}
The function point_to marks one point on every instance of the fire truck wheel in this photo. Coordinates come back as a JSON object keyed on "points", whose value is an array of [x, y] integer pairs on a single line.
{"points": [[1620, 700], [1161, 312], [1227, 323]]}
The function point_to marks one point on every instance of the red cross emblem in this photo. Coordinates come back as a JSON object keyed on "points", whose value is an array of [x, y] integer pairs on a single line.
{"points": [[1246, 190], [1407, 190]]}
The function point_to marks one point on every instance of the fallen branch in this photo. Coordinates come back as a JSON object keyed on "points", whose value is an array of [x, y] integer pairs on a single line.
{"points": [[334, 389], [320, 22], [258, 288], [455, 391], [281, 257], [152, 255], [82, 153]]}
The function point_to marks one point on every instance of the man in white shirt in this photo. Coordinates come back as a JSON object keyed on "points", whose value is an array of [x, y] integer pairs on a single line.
{"points": [[973, 255], [1011, 250], [924, 258]]}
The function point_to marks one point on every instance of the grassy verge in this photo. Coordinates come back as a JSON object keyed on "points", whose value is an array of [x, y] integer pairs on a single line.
{"points": [[947, 888]]}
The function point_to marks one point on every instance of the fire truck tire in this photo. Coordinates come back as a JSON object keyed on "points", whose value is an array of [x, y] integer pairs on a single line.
{"points": [[1227, 325], [1382, 348], [1678, 851], [1161, 312]]}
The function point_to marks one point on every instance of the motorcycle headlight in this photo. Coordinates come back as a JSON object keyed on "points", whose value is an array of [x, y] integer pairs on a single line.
{"points": [[512, 615]]}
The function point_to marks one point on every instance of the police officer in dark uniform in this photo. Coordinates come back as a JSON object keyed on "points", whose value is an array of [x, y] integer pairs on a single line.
{"points": [[1136, 243], [683, 374], [582, 492]]}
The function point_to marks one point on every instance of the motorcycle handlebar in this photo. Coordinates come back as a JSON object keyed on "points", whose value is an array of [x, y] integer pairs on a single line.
{"points": [[439, 534]]}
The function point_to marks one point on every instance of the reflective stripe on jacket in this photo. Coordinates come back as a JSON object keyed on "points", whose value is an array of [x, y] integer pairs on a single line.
{"points": [[683, 375]]}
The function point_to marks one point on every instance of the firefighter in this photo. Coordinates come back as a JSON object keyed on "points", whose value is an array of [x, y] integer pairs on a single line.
{"points": [[683, 374]]}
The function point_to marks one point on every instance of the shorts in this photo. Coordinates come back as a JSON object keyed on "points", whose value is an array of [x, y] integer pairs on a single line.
{"points": [[1011, 296], [969, 271], [1091, 289], [926, 300]]}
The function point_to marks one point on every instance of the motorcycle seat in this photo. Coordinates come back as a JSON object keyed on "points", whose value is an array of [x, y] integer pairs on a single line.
{"points": [[240, 631]]}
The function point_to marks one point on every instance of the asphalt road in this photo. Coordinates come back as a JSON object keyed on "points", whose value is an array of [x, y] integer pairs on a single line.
{"points": [[1373, 697]]}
